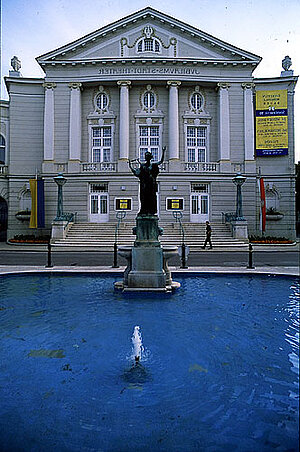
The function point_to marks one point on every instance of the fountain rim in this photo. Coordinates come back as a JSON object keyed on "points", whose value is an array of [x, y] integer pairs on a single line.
{"points": [[193, 271]]}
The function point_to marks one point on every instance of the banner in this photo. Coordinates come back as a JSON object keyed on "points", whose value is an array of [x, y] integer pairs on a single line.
{"points": [[37, 218], [271, 123]]}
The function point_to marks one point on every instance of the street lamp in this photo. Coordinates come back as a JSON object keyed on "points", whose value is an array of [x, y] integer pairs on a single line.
{"points": [[60, 180], [238, 180]]}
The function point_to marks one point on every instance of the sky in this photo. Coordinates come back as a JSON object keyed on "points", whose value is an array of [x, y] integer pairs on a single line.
{"points": [[268, 28]]}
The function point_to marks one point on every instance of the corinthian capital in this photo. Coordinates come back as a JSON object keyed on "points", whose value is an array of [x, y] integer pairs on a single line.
{"points": [[124, 83], [75, 85], [49, 85], [223, 85], [174, 83], [248, 85]]}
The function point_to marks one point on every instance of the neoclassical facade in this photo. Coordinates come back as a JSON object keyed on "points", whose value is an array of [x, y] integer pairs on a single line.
{"points": [[144, 82]]}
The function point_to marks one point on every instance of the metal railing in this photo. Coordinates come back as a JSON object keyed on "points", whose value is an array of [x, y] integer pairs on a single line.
{"points": [[120, 217], [178, 215]]}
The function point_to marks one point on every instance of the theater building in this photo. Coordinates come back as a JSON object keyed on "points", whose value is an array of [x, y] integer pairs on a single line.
{"points": [[143, 82]]}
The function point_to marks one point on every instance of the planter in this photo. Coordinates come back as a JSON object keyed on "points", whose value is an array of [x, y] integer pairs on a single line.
{"points": [[274, 216], [23, 216]]}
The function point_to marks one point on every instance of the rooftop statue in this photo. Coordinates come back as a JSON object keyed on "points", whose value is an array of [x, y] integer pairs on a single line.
{"points": [[15, 63], [147, 174], [286, 63]]}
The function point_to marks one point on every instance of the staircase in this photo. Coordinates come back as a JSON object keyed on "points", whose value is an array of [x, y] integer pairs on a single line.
{"points": [[102, 235]]}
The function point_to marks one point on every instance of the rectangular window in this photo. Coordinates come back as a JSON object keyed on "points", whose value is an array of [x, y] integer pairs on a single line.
{"points": [[101, 144], [196, 144], [149, 141]]}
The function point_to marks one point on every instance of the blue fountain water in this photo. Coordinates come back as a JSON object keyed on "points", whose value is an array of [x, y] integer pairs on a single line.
{"points": [[218, 370]]}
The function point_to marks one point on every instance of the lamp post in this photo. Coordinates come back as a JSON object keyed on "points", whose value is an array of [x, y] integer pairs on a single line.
{"points": [[60, 180], [238, 180]]}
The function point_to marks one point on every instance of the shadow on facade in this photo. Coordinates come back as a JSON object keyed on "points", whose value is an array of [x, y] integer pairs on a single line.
{"points": [[3, 220]]}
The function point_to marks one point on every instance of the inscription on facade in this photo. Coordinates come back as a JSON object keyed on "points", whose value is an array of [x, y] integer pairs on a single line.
{"points": [[149, 70]]}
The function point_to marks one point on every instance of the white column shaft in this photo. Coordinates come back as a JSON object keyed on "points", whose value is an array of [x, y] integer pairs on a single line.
{"points": [[248, 122], [75, 122], [124, 121], [49, 121], [173, 121], [224, 123]]}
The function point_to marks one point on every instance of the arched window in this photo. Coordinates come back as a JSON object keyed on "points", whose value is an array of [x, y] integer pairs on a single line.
{"points": [[148, 45], [2, 149]]}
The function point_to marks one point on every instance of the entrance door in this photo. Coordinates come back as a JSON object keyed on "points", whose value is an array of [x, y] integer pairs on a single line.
{"points": [[99, 207], [199, 207]]}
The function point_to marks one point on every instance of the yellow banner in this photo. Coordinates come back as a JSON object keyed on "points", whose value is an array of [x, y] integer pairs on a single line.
{"points": [[33, 216], [271, 123], [276, 99]]}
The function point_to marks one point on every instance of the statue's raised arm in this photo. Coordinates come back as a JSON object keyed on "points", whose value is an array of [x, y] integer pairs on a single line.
{"points": [[162, 155]]}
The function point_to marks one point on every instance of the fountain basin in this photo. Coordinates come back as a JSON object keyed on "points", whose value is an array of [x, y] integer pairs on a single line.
{"points": [[220, 365]]}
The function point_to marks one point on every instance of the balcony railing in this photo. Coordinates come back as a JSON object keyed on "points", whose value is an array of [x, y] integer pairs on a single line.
{"points": [[104, 167], [201, 167], [3, 170]]}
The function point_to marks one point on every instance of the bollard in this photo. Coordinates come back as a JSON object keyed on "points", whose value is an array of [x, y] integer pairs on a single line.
{"points": [[115, 265], [250, 265], [49, 263], [183, 257]]}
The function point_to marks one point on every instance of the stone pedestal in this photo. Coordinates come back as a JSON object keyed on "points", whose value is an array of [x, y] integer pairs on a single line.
{"points": [[240, 229], [147, 262]]}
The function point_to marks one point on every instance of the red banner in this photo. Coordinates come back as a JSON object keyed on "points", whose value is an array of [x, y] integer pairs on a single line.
{"points": [[263, 204]]}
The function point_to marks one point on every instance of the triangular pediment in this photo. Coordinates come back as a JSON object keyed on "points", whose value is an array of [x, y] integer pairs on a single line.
{"points": [[126, 39]]}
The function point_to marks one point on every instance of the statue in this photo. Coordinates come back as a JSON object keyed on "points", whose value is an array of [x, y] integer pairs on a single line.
{"points": [[15, 63], [147, 174], [286, 63]]}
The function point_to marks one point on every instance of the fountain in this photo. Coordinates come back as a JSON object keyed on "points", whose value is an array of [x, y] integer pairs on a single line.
{"points": [[221, 352], [147, 262], [137, 344]]}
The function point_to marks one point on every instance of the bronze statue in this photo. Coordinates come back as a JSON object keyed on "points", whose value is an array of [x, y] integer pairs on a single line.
{"points": [[147, 174]]}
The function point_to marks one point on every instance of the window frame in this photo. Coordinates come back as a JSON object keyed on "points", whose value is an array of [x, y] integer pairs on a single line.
{"points": [[148, 136], [196, 148], [101, 147], [141, 45]]}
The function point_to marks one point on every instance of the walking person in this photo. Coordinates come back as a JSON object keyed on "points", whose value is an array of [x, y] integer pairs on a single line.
{"points": [[208, 236]]}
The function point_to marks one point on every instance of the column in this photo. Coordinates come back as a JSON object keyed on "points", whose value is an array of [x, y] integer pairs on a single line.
{"points": [[224, 122], [173, 120], [49, 121], [75, 121], [248, 121], [124, 119]]}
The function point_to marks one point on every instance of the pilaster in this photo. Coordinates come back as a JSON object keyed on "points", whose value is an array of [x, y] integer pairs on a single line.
{"points": [[248, 122], [173, 120], [224, 121], [75, 126], [49, 121], [124, 119]]}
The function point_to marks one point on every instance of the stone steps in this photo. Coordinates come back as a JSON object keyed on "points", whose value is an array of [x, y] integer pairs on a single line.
{"points": [[102, 235]]}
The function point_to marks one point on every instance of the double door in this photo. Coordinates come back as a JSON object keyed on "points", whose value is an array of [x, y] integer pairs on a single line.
{"points": [[199, 207], [99, 212]]}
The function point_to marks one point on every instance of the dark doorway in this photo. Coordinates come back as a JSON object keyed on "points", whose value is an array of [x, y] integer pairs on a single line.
{"points": [[3, 220]]}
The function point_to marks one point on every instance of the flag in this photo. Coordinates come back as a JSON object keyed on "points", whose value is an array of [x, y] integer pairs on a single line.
{"points": [[263, 205], [37, 218]]}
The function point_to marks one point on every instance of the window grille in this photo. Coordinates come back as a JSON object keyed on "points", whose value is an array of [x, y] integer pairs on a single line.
{"points": [[148, 100], [102, 101], [196, 101]]}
